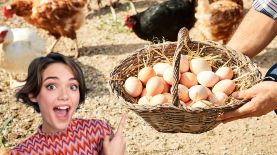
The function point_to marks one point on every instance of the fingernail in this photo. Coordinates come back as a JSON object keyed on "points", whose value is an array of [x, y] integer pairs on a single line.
{"points": [[235, 94], [219, 118]]}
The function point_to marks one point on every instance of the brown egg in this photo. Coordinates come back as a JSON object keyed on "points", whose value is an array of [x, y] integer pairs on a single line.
{"points": [[218, 98], [183, 93], [143, 93], [145, 74], [160, 68], [207, 78], [166, 87], [168, 75], [184, 64], [198, 92], [168, 97], [225, 73], [226, 86], [133, 86], [188, 79], [154, 86], [198, 65]]}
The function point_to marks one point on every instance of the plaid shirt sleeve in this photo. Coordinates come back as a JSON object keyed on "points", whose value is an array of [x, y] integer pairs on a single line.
{"points": [[267, 7]]}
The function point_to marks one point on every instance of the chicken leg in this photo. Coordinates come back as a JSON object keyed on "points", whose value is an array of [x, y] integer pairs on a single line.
{"points": [[77, 53], [50, 49], [112, 4], [133, 7]]}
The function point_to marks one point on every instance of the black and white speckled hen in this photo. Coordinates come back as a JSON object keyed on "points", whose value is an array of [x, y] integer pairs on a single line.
{"points": [[163, 21]]}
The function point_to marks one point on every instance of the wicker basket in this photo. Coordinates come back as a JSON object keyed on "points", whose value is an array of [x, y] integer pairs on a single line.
{"points": [[175, 118]]}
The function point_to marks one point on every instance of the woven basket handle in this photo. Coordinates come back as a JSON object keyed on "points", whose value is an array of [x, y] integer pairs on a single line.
{"points": [[183, 38]]}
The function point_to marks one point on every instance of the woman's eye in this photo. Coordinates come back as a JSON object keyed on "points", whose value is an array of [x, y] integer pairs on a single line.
{"points": [[51, 87], [74, 87]]}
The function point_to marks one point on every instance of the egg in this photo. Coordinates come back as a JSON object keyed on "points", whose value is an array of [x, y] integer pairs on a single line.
{"points": [[158, 99], [188, 79], [145, 100], [183, 103], [168, 75], [218, 98], [166, 87], [183, 93], [168, 97], [143, 93], [198, 65], [154, 86], [189, 103], [160, 68], [184, 64], [133, 86], [225, 73], [198, 92], [201, 104], [226, 86], [145, 74], [207, 78]]}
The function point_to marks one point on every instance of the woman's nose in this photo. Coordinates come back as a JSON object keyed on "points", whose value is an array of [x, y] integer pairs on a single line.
{"points": [[63, 94]]}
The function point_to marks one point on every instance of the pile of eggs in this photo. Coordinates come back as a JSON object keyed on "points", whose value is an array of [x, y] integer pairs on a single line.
{"points": [[198, 85]]}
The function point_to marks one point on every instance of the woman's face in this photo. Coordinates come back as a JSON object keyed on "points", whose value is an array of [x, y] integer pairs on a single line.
{"points": [[58, 98]]}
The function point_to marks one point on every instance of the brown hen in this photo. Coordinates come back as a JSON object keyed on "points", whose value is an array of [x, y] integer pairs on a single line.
{"points": [[58, 17], [218, 20]]}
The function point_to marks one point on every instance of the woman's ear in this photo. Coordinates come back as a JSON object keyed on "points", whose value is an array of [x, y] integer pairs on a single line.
{"points": [[32, 98]]}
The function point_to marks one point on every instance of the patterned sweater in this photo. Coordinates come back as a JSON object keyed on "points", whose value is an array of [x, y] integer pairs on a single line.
{"points": [[82, 137]]}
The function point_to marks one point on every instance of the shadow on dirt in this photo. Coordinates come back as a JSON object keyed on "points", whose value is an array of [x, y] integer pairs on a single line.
{"points": [[110, 49], [264, 58]]}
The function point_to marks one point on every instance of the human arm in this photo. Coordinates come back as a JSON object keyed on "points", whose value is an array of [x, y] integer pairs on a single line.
{"points": [[116, 145], [254, 33]]}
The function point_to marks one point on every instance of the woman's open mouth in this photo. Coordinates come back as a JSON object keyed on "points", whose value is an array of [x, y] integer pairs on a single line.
{"points": [[62, 112]]}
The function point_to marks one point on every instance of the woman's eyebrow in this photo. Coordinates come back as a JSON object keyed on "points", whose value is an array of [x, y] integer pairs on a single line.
{"points": [[54, 77], [50, 77], [73, 78]]}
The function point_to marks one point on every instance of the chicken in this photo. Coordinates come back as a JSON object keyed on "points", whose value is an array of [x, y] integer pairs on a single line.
{"points": [[163, 21], [218, 21], [58, 17], [113, 4], [18, 47]]}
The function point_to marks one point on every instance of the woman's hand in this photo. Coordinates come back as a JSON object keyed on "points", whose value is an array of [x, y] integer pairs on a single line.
{"points": [[116, 145], [263, 99]]}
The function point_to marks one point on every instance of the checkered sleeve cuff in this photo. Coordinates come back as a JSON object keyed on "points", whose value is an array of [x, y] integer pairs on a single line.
{"points": [[267, 7]]}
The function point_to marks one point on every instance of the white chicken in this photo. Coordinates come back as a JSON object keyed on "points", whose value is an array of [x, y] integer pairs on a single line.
{"points": [[18, 47]]}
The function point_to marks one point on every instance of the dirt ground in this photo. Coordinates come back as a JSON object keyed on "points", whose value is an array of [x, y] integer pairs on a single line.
{"points": [[103, 43]]}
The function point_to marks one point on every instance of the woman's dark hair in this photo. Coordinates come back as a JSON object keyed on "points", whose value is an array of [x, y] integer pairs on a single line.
{"points": [[34, 77]]}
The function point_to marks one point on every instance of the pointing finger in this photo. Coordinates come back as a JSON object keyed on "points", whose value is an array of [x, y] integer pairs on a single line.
{"points": [[121, 124], [106, 141]]}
